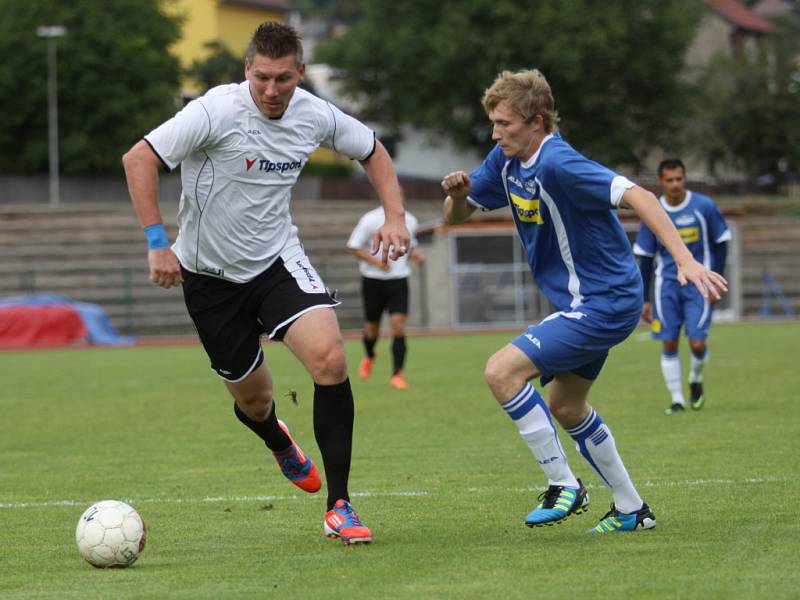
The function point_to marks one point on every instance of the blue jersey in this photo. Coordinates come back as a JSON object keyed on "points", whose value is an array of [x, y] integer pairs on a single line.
{"points": [[564, 207], [700, 224]]}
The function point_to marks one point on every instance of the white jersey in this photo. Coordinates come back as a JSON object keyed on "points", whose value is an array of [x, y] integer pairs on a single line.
{"points": [[238, 167], [361, 238]]}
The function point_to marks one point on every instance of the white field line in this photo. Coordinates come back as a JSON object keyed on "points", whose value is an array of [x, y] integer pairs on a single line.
{"points": [[410, 494], [687, 483], [206, 500]]}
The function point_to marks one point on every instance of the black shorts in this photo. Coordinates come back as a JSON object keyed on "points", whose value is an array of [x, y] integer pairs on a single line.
{"points": [[230, 318], [384, 294]]}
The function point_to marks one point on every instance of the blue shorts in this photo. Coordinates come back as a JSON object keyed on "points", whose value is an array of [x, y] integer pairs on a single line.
{"points": [[675, 305], [576, 341]]}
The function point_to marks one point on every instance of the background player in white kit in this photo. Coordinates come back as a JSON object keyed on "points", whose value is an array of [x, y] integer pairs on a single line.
{"points": [[244, 272], [384, 287]]}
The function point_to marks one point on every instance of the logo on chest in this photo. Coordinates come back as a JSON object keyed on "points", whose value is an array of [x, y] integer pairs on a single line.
{"points": [[267, 166], [527, 210]]}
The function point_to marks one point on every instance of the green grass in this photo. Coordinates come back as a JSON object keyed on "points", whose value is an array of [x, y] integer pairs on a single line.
{"points": [[444, 477]]}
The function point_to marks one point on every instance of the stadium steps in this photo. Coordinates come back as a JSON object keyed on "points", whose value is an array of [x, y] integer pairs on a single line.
{"points": [[770, 245], [95, 252]]}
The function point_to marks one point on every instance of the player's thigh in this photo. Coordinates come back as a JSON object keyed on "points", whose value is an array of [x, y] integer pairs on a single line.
{"points": [[229, 334], [668, 315], [572, 341], [697, 314], [373, 298], [397, 296], [314, 338], [507, 370]]}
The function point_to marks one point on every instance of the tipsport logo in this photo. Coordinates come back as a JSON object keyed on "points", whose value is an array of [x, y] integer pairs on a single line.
{"points": [[527, 209], [267, 166]]}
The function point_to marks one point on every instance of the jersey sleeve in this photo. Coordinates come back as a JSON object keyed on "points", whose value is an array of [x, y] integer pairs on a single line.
{"points": [[347, 135], [413, 226], [646, 243], [718, 228], [361, 233], [186, 132], [588, 184], [488, 190]]}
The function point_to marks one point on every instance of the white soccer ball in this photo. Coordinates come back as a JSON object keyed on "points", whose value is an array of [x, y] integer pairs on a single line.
{"points": [[110, 534]]}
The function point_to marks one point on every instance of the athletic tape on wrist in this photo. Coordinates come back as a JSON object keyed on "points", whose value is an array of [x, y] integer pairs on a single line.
{"points": [[156, 236]]}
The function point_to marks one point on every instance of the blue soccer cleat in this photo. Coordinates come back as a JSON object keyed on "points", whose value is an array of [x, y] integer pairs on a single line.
{"points": [[557, 503], [614, 520]]}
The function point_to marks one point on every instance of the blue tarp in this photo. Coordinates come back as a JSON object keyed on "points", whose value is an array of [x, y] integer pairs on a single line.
{"points": [[98, 326]]}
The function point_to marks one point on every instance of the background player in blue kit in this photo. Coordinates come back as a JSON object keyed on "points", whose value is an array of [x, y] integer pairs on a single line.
{"points": [[705, 233], [564, 208]]}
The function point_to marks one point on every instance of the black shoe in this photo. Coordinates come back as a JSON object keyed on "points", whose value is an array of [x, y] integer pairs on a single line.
{"points": [[675, 408], [696, 399]]}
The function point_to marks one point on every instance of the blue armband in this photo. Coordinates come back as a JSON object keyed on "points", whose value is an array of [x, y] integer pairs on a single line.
{"points": [[156, 236]]}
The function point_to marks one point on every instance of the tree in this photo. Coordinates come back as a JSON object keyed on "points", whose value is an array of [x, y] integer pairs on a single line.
{"points": [[614, 67], [220, 66], [116, 81], [749, 116]]}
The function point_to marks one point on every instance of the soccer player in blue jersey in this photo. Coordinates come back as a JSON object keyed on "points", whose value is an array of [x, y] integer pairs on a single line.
{"points": [[705, 233], [564, 207]]}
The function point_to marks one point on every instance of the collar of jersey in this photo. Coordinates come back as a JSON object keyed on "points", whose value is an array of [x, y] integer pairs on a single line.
{"points": [[529, 163], [669, 208]]}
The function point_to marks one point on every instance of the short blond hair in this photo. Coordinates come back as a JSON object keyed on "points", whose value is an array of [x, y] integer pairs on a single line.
{"points": [[527, 93]]}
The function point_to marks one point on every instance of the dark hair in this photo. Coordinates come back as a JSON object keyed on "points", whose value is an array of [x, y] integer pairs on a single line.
{"points": [[275, 40], [671, 163]]}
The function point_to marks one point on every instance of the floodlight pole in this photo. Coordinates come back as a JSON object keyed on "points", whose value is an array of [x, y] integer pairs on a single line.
{"points": [[52, 33]]}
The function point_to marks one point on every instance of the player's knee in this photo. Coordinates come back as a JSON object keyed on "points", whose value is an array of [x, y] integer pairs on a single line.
{"points": [[256, 406], [670, 346], [698, 347], [329, 365], [565, 413], [497, 376]]}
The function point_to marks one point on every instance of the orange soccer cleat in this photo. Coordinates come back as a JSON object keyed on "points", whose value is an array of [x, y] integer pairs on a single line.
{"points": [[365, 368], [397, 381], [342, 522], [296, 466]]}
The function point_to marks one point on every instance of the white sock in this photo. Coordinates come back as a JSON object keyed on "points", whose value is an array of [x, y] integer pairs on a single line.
{"points": [[528, 410], [696, 367], [671, 368], [596, 444]]}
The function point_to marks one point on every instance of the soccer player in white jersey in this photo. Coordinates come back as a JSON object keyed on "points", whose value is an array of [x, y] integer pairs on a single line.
{"points": [[705, 233], [564, 208], [384, 287], [244, 272]]}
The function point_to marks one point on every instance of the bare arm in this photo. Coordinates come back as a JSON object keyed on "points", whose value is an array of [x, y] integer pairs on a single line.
{"points": [[141, 171], [456, 208], [710, 284], [362, 254], [393, 232]]}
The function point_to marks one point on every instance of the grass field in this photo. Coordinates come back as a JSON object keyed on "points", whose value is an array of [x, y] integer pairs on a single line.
{"points": [[439, 474]]}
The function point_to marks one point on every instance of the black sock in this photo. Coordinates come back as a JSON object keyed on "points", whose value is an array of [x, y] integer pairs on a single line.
{"points": [[399, 352], [369, 346], [268, 429], [333, 428]]}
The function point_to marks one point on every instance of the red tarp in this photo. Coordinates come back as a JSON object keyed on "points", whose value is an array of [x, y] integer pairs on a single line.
{"points": [[31, 326]]}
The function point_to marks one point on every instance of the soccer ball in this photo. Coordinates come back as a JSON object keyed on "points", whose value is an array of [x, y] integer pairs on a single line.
{"points": [[110, 534]]}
